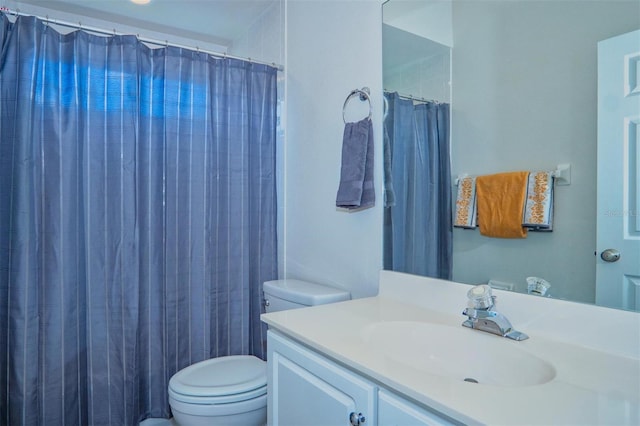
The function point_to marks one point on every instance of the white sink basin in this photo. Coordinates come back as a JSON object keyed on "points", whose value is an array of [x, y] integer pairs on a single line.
{"points": [[458, 353]]}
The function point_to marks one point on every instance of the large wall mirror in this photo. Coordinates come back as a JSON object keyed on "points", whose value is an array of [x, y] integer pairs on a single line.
{"points": [[521, 77]]}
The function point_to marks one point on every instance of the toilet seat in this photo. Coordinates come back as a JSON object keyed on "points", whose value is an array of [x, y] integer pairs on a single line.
{"points": [[220, 380]]}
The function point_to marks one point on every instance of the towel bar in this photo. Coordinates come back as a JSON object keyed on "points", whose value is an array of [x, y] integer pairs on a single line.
{"points": [[562, 175]]}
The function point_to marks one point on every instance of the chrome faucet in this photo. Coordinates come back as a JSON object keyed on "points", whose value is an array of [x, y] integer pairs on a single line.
{"points": [[481, 315]]}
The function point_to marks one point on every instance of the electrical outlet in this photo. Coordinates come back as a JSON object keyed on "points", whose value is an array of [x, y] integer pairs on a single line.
{"points": [[501, 285]]}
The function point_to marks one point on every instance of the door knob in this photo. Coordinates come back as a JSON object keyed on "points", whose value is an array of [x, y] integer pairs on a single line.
{"points": [[610, 255]]}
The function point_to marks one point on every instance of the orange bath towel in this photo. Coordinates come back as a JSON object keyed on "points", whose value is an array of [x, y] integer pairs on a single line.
{"points": [[500, 199]]}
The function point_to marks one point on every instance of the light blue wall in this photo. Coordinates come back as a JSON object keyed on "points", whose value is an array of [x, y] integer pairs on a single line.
{"points": [[328, 49], [332, 47]]}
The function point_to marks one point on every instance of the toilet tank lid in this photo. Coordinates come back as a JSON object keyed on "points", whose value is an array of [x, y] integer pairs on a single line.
{"points": [[304, 292]]}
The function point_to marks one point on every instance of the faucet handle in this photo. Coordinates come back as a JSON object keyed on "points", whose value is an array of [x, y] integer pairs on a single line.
{"points": [[480, 297]]}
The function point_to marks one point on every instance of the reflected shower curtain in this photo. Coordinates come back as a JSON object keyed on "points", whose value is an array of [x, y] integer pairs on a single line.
{"points": [[418, 231], [137, 220]]}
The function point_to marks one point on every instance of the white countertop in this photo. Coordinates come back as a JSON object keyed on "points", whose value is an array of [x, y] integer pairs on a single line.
{"points": [[595, 353]]}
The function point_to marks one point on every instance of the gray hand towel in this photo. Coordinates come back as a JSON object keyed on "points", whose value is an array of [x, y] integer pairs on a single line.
{"points": [[356, 189], [389, 193]]}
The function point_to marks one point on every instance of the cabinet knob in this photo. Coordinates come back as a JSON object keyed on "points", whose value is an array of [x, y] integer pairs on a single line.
{"points": [[356, 419]]}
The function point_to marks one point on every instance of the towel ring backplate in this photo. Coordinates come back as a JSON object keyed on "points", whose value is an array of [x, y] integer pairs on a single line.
{"points": [[363, 95]]}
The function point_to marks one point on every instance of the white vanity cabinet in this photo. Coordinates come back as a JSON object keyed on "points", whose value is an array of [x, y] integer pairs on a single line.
{"points": [[308, 389], [305, 388], [394, 410]]}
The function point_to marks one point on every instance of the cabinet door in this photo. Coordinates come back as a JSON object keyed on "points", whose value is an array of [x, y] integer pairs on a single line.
{"points": [[307, 389], [395, 411]]}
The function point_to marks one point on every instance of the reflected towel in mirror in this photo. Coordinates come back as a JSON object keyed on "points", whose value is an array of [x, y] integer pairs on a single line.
{"points": [[501, 200], [465, 215], [538, 212]]}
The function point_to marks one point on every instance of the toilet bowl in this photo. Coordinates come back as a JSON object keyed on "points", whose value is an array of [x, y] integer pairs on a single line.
{"points": [[232, 390]]}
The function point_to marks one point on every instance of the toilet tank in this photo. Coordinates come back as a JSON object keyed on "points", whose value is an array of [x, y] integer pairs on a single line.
{"points": [[280, 295]]}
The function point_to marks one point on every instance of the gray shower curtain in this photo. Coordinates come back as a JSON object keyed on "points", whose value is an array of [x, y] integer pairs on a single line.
{"points": [[137, 220], [418, 229]]}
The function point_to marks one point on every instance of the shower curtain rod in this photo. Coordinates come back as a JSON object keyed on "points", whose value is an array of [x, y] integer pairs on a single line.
{"points": [[414, 98], [156, 42]]}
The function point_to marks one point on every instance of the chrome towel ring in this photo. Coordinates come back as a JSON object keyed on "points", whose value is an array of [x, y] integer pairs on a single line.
{"points": [[364, 96]]}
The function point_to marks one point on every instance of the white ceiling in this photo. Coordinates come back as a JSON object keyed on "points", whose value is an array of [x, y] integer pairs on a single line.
{"points": [[213, 21]]}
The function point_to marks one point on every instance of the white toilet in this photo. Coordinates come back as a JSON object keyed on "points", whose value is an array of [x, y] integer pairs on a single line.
{"points": [[232, 390]]}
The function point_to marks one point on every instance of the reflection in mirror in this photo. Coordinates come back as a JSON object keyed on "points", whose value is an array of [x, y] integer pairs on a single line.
{"points": [[417, 218], [524, 96]]}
